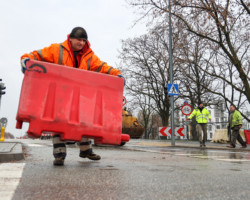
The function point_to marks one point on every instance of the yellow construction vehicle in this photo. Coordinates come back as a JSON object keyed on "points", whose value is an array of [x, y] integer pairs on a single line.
{"points": [[131, 126]]}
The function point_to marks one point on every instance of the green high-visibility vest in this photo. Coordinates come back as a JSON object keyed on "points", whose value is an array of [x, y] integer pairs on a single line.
{"points": [[236, 119], [201, 117]]}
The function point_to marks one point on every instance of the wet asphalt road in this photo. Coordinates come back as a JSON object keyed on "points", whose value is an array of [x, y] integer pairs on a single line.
{"points": [[220, 155], [142, 173]]}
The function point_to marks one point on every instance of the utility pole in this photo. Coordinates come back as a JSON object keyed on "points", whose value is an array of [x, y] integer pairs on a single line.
{"points": [[171, 76]]}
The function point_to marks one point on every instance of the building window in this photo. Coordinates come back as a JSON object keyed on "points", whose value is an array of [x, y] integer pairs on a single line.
{"points": [[223, 125], [211, 135], [217, 112], [217, 119], [217, 126], [209, 127]]}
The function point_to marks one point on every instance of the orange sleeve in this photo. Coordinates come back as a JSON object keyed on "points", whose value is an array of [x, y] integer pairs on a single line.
{"points": [[47, 54], [33, 56], [99, 66]]}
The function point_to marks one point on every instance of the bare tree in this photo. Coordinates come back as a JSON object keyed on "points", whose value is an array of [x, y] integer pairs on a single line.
{"points": [[145, 107], [230, 85], [145, 64], [245, 5], [223, 25], [197, 85], [147, 74]]}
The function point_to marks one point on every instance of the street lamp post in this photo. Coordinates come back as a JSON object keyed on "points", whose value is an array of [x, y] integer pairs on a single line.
{"points": [[171, 77]]}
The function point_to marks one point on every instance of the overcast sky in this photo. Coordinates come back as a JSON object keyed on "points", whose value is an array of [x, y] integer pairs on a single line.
{"points": [[28, 25]]}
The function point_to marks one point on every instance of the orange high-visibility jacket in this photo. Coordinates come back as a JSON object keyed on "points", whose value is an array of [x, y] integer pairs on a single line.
{"points": [[61, 54]]}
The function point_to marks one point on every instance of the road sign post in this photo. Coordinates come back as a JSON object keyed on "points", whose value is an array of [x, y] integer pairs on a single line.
{"points": [[173, 90], [171, 73], [186, 110]]}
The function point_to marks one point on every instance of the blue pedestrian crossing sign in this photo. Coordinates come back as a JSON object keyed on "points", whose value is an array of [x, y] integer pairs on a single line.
{"points": [[173, 89]]}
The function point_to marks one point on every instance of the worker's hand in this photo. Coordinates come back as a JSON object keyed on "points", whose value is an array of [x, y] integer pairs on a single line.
{"points": [[210, 120], [119, 75], [23, 64]]}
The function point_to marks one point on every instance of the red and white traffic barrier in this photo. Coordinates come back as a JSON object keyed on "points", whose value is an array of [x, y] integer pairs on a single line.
{"points": [[166, 131]]}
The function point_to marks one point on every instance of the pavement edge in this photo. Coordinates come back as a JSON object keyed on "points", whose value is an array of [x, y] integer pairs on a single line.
{"points": [[15, 154]]}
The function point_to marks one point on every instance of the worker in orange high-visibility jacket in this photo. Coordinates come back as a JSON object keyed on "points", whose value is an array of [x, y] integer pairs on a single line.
{"points": [[73, 52]]}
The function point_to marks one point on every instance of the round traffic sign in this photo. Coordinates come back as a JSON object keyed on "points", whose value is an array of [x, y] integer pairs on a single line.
{"points": [[186, 109], [124, 101]]}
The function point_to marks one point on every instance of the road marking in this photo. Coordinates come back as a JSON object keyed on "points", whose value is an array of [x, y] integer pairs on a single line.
{"points": [[10, 175], [234, 160], [34, 145], [188, 154], [151, 144]]}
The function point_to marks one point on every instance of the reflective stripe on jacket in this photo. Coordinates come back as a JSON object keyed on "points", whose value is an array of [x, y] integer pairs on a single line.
{"points": [[61, 54], [201, 117], [236, 119]]}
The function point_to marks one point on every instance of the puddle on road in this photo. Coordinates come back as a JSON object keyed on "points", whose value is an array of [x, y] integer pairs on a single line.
{"points": [[237, 170], [227, 156], [220, 155], [234, 160]]}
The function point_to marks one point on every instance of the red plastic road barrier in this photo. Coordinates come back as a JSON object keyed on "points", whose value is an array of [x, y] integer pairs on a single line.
{"points": [[247, 136], [71, 102]]}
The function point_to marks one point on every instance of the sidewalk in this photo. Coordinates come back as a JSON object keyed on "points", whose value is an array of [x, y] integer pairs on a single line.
{"points": [[184, 144], [11, 151]]}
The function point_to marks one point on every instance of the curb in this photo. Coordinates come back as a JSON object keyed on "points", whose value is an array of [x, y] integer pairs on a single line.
{"points": [[15, 153], [142, 148], [167, 145], [212, 148]]}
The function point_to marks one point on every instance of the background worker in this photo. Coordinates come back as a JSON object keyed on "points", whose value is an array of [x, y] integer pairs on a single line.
{"points": [[201, 114], [73, 52], [235, 124]]}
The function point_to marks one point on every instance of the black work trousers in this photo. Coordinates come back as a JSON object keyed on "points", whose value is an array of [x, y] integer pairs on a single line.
{"points": [[236, 136]]}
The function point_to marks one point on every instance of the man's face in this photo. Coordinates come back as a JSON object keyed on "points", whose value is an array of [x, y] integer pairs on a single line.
{"points": [[232, 108], [77, 44], [201, 105]]}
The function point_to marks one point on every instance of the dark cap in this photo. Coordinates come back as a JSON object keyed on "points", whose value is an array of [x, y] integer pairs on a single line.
{"points": [[79, 33], [233, 106]]}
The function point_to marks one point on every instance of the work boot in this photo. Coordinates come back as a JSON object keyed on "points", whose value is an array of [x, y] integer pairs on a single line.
{"points": [[204, 145], [244, 146], [58, 161], [231, 146], [89, 154]]}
